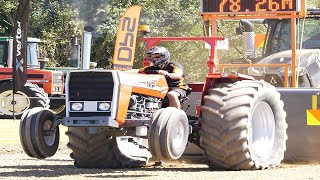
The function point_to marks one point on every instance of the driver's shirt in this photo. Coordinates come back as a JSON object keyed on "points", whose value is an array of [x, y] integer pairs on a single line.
{"points": [[172, 67]]}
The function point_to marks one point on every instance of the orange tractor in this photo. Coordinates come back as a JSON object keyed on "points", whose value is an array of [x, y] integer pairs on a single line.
{"points": [[116, 119], [41, 83]]}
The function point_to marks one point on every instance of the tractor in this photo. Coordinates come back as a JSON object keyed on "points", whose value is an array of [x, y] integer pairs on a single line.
{"points": [[117, 119], [47, 82], [41, 84], [276, 66]]}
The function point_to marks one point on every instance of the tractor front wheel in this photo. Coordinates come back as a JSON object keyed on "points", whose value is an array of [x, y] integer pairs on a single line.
{"points": [[39, 133], [168, 135]]}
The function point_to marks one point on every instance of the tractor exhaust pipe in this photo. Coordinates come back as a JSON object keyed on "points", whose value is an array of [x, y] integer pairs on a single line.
{"points": [[10, 52], [248, 36], [86, 47], [75, 52]]}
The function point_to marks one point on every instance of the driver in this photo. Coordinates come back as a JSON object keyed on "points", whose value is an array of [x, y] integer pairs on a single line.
{"points": [[159, 57]]}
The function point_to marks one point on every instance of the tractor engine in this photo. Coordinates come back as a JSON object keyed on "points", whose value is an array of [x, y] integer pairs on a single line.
{"points": [[142, 107]]}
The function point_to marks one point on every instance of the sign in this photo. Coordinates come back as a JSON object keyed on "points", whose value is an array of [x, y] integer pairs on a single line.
{"points": [[313, 115], [250, 6], [20, 30], [125, 46]]}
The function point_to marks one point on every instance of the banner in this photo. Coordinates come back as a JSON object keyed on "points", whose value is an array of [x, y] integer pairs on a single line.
{"points": [[125, 46], [20, 31]]}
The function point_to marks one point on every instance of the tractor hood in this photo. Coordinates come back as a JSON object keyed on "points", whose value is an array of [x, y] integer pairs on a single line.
{"points": [[151, 85]]}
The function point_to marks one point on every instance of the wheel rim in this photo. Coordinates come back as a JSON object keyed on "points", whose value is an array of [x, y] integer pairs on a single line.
{"points": [[21, 102], [49, 139], [177, 135], [263, 130]]}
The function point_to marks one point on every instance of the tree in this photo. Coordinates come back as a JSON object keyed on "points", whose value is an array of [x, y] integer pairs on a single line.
{"points": [[311, 3], [7, 12], [166, 18], [54, 23]]}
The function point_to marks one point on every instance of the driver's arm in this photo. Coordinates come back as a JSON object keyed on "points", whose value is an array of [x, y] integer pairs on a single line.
{"points": [[177, 73]]}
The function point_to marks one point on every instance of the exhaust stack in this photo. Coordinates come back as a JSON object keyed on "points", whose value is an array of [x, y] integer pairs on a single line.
{"points": [[75, 52], [248, 36], [86, 47], [10, 52]]}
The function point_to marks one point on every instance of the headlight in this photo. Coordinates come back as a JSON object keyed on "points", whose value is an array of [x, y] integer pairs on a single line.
{"points": [[103, 106], [76, 106]]}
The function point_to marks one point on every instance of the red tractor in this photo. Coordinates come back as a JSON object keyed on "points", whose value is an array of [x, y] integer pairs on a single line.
{"points": [[40, 84]]}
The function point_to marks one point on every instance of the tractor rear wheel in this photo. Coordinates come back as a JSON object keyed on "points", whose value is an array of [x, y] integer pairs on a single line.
{"points": [[31, 95], [38, 136], [98, 150], [243, 126]]}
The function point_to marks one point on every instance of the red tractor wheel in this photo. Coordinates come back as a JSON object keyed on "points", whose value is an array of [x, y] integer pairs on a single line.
{"points": [[30, 96]]}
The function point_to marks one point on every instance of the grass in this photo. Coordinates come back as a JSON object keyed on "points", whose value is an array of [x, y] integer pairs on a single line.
{"points": [[9, 132]]}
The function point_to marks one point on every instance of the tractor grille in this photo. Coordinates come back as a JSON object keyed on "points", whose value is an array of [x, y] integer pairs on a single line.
{"points": [[91, 86]]}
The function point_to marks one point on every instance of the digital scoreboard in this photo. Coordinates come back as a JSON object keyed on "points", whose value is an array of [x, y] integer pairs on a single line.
{"points": [[250, 6]]}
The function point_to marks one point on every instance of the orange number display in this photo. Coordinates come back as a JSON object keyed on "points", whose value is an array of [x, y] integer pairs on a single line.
{"points": [[287, 4], [235, 5], [249, 6], [273, 6], [221, 6], [259, 5]]}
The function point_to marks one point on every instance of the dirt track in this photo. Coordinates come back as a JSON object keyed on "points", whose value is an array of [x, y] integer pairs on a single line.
{"points": [[15, 164]]}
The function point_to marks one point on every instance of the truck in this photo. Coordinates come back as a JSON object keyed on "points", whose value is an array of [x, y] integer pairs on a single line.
{"points": [[117, 119], [41, 84]]}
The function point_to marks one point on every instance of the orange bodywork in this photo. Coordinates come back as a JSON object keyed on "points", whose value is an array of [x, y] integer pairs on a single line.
{"points": [[134, 83], [43, 78]]}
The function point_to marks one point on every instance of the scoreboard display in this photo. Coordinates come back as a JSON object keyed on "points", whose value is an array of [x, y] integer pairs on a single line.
{"points": [[250, 6]]}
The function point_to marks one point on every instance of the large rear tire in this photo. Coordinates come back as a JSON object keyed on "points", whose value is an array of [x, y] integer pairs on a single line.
{"points": [[38, 136], [99, 150], [30, 96], [243, 126]]}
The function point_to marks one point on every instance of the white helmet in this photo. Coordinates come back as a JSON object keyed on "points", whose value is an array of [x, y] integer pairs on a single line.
{"points": [[163, 58]]}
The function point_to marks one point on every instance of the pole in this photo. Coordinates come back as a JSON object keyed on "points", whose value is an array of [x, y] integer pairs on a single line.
{"points": [[294, 52]]}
